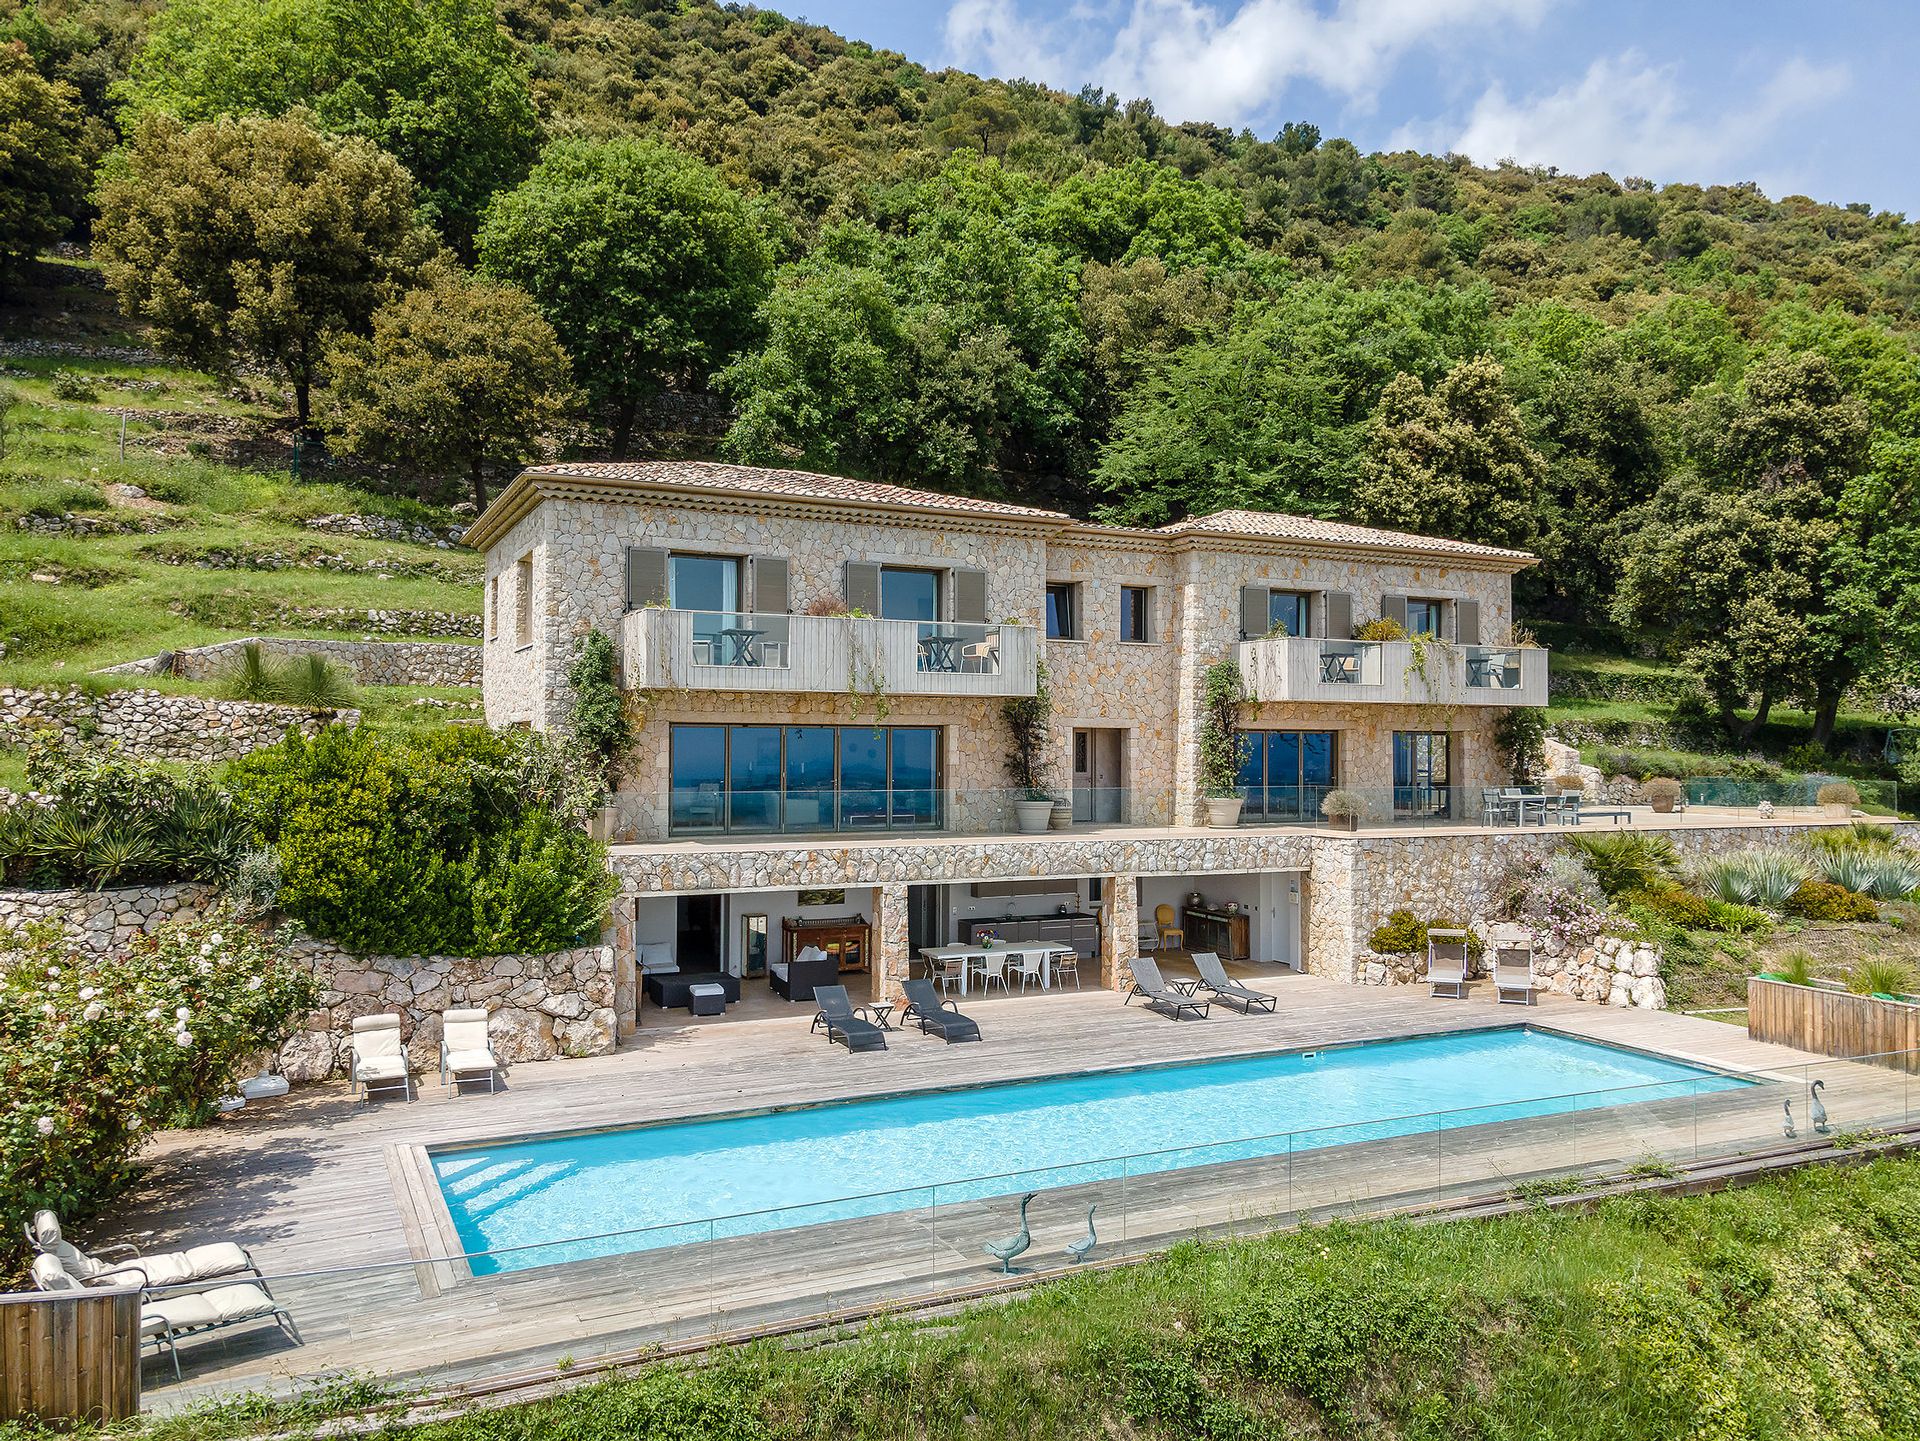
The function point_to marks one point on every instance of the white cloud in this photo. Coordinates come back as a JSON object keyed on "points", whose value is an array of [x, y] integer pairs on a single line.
{"points": [[1629, 116], [1203, 61]]}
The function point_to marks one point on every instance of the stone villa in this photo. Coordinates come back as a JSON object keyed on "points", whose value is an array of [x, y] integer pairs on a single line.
{"points": [[822, 666]]}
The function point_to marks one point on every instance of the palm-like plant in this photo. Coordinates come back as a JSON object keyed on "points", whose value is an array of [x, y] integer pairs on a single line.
{"points": [[120, 854], [313, 680], [252, 675], [1627, 861]]}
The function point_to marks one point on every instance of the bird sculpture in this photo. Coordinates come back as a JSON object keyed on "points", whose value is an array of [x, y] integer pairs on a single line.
{"points": [[1788, 1129], [1005, 1251], [1819, 1110], [1079, 1249]]}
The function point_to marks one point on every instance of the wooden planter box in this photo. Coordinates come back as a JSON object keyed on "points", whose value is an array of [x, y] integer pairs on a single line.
{"points": [[1834, 1023], [71, 1356]]}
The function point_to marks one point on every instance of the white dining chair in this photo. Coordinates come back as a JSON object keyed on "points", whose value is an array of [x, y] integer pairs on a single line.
{"points": [[993, 967], [1030, 966]]}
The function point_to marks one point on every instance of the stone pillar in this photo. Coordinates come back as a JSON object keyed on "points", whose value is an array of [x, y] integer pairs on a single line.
{"points": [[626, 975], [889, 968], [1331, 946], [1119, 931]]}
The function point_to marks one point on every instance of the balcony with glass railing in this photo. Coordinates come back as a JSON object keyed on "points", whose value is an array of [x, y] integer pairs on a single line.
{"points": [[1312, 668], [809, 654]]}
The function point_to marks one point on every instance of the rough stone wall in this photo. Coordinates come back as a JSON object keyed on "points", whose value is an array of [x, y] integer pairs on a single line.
{"points": [[103, 920], [540, 1007], [372, 662], [163, 727]]}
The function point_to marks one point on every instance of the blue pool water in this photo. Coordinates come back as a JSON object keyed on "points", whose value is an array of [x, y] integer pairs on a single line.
{"points": [[682, 1181]]}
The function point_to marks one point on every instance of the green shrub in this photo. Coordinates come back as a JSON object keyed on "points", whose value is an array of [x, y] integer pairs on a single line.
{"points": [[1405, 934], [1676, 904], [1824, 901], [103, 1050], [1733, 919], [73, 385], [1627, 860], [1880, 976]]}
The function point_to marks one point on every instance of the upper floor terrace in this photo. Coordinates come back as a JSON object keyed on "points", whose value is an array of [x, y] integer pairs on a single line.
{"points": [[1408, 672]]}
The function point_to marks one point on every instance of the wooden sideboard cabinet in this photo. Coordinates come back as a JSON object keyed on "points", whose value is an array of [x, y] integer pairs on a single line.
{"points": [[848, 940], [1227, 934]]}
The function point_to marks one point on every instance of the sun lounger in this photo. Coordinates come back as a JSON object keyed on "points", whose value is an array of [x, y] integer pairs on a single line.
{"points": [[1513, 973], [1160, 996], [939, 1017], [465, 1051], [164, 1268], [167, 1320], [379, 1060], [839, 1015], [1447, 963], [1214, 977]]}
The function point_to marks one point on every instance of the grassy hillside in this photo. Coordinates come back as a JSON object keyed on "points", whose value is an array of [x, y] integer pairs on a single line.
{"points": [[1784, 1310]]}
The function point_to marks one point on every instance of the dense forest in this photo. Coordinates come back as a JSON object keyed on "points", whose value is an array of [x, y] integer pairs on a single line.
{"points": [[526, 227]]}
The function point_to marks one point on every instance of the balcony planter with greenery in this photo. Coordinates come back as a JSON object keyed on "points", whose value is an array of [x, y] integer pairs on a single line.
{"points": [[1342, 809], [1663, 793], [1222, 694], [1837, 799], [1029, 734]]}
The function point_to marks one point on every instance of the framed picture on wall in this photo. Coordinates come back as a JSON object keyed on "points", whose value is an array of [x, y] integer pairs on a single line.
{"points": [[824, 896], [753, 945]]}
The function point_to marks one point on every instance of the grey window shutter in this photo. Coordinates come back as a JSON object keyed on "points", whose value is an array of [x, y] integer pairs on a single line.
{"points": [[863, 586], [1254, 602], [1466, 622], [969, 597], [1394, 608], [1339, 615], [769, 576], [646, 576]]}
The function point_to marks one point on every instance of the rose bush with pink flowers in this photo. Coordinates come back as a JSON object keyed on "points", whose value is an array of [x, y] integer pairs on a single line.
{"points": [[99, 1051]]}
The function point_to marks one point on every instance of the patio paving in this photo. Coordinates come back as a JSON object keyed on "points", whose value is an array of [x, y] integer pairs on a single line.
{"points": [[319, 1181]]}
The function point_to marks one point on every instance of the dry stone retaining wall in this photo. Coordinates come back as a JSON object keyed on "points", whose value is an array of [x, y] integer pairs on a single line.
{"points": [[102, 920], [158, 726], [540, 1007], [372, 662]]}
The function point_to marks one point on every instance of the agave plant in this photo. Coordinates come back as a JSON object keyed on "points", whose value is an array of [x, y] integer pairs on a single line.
{"points": [[1627, 861], [1849, 867], [1756, 878], [1892, 875], [120, 854]]}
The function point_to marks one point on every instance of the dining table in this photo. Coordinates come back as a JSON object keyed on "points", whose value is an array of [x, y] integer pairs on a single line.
{"points": [[973, 959]]}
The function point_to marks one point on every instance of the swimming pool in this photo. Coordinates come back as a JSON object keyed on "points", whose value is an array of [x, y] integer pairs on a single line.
{"points": [[733, 1175]]}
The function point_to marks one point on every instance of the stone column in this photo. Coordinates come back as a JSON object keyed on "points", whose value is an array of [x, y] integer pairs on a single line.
{"points": [[626, 976], [889, 968], [1331, 945], [1119, 932]]}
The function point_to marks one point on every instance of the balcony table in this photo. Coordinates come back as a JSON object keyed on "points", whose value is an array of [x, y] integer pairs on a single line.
{"points": [[1340, 667], [938, 651], [742, 644]]}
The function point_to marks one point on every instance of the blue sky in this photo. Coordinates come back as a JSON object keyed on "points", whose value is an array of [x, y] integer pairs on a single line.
{"points": [[1813, 99]]}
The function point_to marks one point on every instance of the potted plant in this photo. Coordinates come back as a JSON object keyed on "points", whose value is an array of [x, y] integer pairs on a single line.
{"points": [[1062, 817], [1029, 721], [1032, 811], [1837, 799], [1222, 693], [1342, 809], [1568, 783], [1663, 793]]}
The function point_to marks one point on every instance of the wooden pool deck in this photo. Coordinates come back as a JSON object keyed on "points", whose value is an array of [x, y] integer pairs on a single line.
{"points": [[319, 1181]]}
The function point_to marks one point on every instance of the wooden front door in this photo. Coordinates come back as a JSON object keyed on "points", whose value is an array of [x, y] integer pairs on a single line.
{"points": [[1099, 775]]}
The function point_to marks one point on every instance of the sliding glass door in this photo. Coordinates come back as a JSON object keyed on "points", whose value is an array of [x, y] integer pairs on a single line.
{"points": [[1420, 785], [802, 779], [1283, 774]]}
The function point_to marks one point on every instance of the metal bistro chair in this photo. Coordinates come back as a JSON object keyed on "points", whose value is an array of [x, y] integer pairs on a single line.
{"points": [[1065, 964]]}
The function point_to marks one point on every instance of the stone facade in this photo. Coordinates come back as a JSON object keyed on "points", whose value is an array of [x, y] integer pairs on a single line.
{"points": [[540, 1007], [375, 662], [160, 726], [103, 920]]}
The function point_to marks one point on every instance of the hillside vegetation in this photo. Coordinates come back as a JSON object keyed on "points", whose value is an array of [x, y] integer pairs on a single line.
{"points": [[1699, 404]]}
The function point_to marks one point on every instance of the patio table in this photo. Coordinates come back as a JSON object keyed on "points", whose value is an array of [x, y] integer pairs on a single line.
{"points": [[968, 955], [741, 641], [938, 651]]}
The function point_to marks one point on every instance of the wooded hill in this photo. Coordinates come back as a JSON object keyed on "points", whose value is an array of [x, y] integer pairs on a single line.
{"points": [[1699, 404]]}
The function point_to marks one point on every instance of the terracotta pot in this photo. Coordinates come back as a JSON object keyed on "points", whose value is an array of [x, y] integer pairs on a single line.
{"points": [[1662, 805]]}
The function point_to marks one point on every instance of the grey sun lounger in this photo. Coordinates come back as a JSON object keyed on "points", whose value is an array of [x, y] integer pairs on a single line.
{"points": [[1214, 977], [837, 1014], [168, 1319], [1147, 982], [938, 1017]]}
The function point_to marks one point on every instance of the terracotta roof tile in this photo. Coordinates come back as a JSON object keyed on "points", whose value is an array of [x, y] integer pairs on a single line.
{"points": [[1334, 532], [796, 484]]}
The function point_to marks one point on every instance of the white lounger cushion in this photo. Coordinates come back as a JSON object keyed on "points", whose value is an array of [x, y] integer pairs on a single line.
{"points": [[377, 1052], [220, 1306], [198, 1263], [471, 1061], [380, 1068]]}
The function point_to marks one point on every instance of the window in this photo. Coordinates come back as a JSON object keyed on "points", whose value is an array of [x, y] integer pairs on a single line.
{"points": [[709, 586], [1286, 613], [493, 608], [803, 778], [1423, 617], [523, 600], [1063, 612], [1136, 613], [1286, 773], [909, 594], [1420, 773]]}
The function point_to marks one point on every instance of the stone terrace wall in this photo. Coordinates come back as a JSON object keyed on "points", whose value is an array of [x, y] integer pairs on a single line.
{"points": [[105, 919], [541, 1007], [163, 727], [370, 662]]}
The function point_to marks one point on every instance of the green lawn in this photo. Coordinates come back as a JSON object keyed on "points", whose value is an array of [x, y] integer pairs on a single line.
{"points": [[1786, 1310]]}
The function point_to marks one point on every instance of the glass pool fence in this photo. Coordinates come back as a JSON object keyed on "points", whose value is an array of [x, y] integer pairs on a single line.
{"points": [[447, 1316]]}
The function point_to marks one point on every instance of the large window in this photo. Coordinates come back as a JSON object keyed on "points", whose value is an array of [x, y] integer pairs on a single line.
{"points": [[1286, 613], [1424, 616], [1063, 611], [804, 778], [1420, 785], [709, 586], [909, 594], [1284, 774]]}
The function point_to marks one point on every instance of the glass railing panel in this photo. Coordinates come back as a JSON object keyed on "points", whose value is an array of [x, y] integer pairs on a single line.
{"points": [[945, 647], [1349, 662], [1491, 668], [742, 639]]}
